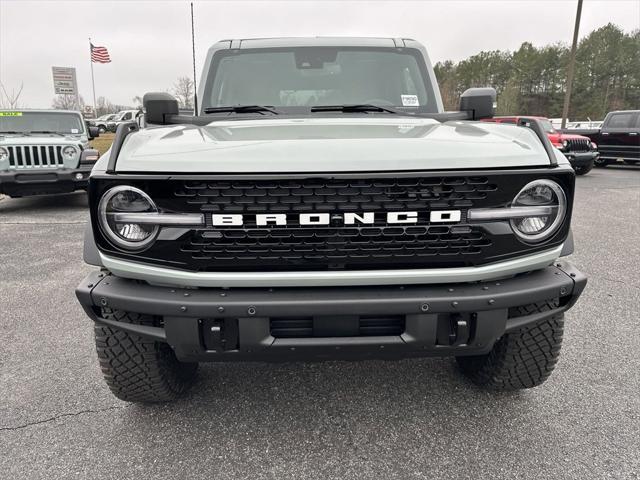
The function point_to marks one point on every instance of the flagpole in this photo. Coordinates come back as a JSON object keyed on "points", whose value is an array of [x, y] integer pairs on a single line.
{"points": [[93, 82]]}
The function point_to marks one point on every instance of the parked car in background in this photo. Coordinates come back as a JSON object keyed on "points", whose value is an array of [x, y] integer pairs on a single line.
{"points": [[122, 117], [618, 139], [581, 152], [44, 151], [101, 122], [584, 124]]}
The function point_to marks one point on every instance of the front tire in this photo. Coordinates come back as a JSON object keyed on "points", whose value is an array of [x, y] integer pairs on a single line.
{"points": [[137, 369], [521, 359], [583, 169], [601, 162]]}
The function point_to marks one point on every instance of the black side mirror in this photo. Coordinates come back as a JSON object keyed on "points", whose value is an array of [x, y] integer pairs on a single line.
{"points": [[158, 105], [481, 102], [94, 132]]}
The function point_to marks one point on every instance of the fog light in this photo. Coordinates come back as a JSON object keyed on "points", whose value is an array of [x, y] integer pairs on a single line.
{"points": [[79, 176]]}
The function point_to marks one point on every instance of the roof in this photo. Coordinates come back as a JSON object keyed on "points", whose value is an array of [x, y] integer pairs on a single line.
{"points": [[316, 42], [39, 110]]}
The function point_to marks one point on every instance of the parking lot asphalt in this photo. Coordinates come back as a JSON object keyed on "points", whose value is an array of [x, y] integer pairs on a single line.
{"points": [[404, 419]]}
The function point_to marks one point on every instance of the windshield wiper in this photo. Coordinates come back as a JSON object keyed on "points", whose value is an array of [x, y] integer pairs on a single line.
{"points": [[14, 132], [48, 131], [365, 107], [241, 109]]}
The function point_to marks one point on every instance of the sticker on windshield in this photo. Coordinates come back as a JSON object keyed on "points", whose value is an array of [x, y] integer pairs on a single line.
{"points": [[10, 114], [74, 130], [410, 101]]}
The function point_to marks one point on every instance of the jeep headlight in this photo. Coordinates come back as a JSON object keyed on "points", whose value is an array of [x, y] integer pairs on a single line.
{"points": [[540, 193], [69, 152], [4, 154], [127, 235]]}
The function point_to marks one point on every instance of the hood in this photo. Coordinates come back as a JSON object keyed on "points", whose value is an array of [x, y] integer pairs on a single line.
{"points": [[41, 139], [572, 136], [329, 145]]}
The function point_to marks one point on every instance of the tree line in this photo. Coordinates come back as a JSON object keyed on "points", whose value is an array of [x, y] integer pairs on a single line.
{"points": [[532, 80]]}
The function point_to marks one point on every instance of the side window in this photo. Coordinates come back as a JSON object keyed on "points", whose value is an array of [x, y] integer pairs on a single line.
{"points": [[127, 116], [621, 120]]}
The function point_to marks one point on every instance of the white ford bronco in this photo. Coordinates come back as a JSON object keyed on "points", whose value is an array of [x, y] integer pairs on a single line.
{"points": [[321, 205], [44, 151]]}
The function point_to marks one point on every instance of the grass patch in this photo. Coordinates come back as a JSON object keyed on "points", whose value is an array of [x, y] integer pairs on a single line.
{"points": [[103, 142]]}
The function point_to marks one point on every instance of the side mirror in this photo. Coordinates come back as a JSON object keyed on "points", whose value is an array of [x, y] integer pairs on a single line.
{"points": [[94, 132], [158, 105], [481, 102]]}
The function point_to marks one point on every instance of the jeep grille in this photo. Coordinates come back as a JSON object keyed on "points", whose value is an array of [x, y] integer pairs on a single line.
{"points": [[35, 156]]}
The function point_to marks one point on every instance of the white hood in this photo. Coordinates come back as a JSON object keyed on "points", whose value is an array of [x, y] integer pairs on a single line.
{"points": [[329, 145]]}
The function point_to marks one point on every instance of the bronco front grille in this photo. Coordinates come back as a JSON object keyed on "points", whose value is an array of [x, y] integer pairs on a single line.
{"points": [[336, 246], [35, 156]]}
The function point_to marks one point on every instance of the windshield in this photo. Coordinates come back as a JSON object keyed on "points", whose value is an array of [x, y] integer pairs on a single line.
{"points": [[546, 125], [25, 122], [315, 76]]}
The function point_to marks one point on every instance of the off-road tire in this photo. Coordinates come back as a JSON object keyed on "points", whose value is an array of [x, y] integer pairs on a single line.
{"points": [[601, 162], [137, 369], [583, 169], [521, 359]]}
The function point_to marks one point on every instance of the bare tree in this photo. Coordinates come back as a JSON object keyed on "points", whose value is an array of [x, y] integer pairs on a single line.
{"points": [[137, 101], [67, 102], [183, 90], [10, 101], [104, 106]]}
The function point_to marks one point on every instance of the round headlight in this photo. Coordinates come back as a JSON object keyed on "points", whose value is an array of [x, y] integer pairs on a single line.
{"points": [[127, 235], [594, 146], [565, 143], [4, 154], [69, 152], [540, 193]]}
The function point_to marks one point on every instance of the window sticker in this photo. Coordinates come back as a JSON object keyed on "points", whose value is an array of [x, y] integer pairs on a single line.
{"points": [[74, 130], [410, 101], [10, 114]]}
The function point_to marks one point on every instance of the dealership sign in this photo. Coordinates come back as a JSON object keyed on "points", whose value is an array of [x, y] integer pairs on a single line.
{"points": [[64, 80]]}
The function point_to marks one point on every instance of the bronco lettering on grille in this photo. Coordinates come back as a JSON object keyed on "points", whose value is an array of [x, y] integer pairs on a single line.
{"points": [[314, 219]]}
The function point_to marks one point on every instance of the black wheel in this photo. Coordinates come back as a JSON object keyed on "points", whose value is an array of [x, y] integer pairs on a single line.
{"points": [[102, 129], [583, 169], [601, 162], [137, 369], [520, 359]]}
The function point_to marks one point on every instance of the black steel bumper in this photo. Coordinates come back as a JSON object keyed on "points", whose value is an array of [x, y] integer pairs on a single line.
{"points": [[581, 159], [22, 183], [212, 324]]}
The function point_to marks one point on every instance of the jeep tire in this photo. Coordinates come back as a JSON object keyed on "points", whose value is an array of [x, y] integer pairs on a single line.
{"points": [[583, 169], [137, 369], [523, 358]]}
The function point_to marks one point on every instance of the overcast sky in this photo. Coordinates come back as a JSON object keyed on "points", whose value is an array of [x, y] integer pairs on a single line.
{"points": [[150, 43]]}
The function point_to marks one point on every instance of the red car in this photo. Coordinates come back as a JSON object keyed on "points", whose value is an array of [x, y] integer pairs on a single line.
{"points": [[580, 151]]}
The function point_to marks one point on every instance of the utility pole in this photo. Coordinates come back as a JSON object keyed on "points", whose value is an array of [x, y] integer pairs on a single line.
{"points": [[193, 51], [571, 67]]}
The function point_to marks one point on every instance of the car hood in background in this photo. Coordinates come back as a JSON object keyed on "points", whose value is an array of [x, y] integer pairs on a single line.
{"points": [[329, 145]]}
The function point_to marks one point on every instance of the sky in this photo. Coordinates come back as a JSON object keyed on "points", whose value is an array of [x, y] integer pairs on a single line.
{"points": [[150, 41]]}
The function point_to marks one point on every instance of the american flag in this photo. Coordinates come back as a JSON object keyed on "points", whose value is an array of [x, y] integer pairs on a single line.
{"points": [[99, 54]]}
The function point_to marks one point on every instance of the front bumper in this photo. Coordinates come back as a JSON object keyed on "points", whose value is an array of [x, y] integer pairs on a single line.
{"points": [[216, 324], [581, 159], [19, 183]]}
